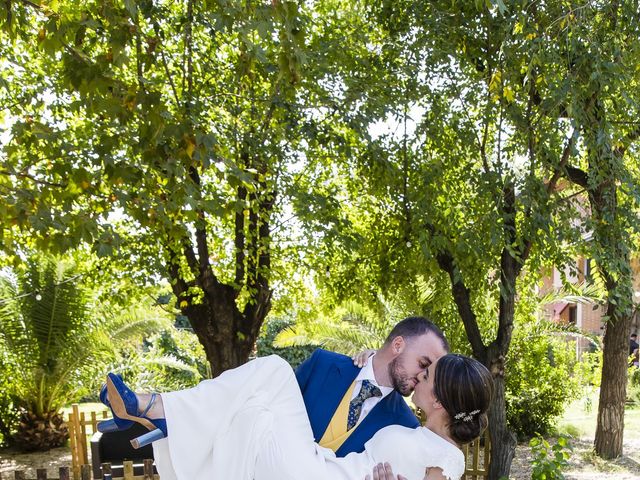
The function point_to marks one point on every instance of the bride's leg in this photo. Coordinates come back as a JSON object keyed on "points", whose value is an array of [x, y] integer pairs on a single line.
{"points": [[266, 443], [199, 418]]}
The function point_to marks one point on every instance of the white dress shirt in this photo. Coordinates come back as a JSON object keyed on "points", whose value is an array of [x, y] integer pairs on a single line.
{"points": [[367, 374]]}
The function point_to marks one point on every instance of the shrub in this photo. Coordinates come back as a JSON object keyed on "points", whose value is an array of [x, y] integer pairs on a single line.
{"points": [[9, 413], [539, 381], [549, 461], [294, 354], [589, 370], [633, 387], [171, 360]]}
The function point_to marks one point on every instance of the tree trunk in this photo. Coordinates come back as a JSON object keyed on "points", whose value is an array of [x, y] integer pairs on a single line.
{"points": [[612, 259], [227, 334], [503, 440], [610, 427]]}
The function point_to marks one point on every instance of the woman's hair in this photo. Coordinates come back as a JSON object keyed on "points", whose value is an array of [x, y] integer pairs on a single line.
{"points": [[464, 388]]}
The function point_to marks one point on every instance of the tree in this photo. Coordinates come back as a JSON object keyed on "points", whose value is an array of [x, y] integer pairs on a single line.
{"points": [[476, 188], [60, 331], [603, 49], [171, 119], [49, 340]]}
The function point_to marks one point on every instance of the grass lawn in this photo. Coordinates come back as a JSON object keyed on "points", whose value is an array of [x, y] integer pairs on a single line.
{"points": [[85, 407], [579, 422], [579, 419]]}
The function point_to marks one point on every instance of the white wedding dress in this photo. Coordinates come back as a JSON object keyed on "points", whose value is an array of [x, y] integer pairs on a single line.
{"points": [[250, 423]]}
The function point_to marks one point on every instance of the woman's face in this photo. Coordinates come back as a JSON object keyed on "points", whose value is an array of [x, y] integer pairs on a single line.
{"points": [[423, 396]]}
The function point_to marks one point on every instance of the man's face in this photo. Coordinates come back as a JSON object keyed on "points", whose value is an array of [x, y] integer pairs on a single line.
{"points": [[416, 355]]}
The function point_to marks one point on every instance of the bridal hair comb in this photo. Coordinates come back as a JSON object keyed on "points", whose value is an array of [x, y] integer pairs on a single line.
{"points": [[466, 417]]}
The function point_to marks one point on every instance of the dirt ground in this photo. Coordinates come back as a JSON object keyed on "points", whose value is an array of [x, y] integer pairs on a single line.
{"points": [[583, 465], [11, 460]]}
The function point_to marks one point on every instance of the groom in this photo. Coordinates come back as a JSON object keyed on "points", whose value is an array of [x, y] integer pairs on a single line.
{"points": [[348, 405]]}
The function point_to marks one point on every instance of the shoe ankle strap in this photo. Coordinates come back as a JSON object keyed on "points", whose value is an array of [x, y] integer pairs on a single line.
{"points": [[149, 405]]}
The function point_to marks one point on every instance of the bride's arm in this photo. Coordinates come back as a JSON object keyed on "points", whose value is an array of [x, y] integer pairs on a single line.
{"points": [[360, 359], [434, 473]]}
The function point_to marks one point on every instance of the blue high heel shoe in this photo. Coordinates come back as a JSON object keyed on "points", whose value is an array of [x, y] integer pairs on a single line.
{"points": [[110, 425], [124, 405]]}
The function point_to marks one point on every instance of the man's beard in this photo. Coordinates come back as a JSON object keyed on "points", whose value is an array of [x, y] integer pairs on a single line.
{"points": [[399, 379]]}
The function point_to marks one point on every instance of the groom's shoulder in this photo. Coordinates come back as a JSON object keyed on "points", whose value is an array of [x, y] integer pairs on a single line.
{"points": [[328, 356], [322, 359]]}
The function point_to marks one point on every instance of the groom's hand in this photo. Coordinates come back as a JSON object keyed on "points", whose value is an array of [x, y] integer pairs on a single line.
{"points": [[383, 472]]}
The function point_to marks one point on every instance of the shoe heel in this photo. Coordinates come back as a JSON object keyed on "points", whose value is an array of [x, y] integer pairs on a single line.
{"points": [[147, 438], [107, 426]]}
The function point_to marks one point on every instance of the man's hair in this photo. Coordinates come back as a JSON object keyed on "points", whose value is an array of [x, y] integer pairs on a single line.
{"points": [[634, 335], [412, 327]]}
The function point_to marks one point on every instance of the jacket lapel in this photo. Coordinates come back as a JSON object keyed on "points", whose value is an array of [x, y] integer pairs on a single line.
{"points": [[381, 413]]}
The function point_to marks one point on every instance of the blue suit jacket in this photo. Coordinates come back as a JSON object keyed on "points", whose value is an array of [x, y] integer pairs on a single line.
{"points": [[324, 379]]}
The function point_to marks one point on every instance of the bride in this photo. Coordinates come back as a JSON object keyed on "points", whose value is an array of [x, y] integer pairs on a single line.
{"points": [[250, 423]]}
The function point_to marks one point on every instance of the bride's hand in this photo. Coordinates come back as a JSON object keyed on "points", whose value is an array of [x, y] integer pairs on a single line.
{"points": [[360, 359], [383, 472]]}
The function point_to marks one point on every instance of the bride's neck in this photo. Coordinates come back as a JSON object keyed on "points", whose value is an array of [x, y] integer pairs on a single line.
{"points": [[439, 426]]}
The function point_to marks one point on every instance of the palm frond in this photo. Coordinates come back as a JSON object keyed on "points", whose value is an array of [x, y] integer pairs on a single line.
{"points": [[351, 328], [584, 293], [136, 327], [48, 332], [169, 361]]}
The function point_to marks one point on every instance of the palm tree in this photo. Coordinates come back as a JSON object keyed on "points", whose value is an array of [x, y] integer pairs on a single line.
{"points": [[50, 340]]}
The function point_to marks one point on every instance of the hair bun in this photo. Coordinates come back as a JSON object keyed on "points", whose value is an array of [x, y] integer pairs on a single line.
{"points": [[465, 431]]}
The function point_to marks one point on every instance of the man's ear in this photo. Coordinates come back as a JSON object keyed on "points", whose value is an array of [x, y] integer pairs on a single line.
{"points": [[397, 345]]}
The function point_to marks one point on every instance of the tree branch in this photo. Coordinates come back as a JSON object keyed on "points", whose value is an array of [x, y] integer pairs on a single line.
{"points": [[179, 286], [577, 176], [33, 179], [564, 159], [239, 238], [170, 78], [188, 40], [190, 255], [201, 232], [462, 298]]}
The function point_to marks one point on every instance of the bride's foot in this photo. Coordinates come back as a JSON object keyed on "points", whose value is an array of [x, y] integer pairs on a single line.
{"points": [[153, 401]]}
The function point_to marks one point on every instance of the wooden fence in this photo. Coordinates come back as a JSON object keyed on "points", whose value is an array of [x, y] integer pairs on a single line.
{"points": [[81, 426], [85, 473], [477, 455]]}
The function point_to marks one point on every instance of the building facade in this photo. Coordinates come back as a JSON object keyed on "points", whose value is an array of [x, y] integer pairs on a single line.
{"points": [[587, 317]]}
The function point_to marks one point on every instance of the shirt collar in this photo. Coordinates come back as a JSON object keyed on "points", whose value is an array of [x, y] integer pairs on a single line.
{"points": [[366, 373]]}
